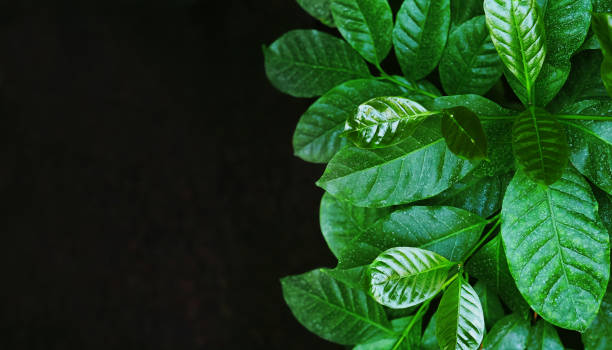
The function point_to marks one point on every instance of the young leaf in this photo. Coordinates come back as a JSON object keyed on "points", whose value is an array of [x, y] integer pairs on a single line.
{"points": [[598, 335], [420, 34], [470, 64], [405, 276], [410, 342], [367, 25], [307, 63], [333, 310], [540, 145], [509, 333], [464, 10], [557, 249], [463, 133], [319, 9], [450, 232], [384, 121], [316, 138], [543, 336], [591, 142], [518, 34], [491, 306], [459, 319], [418, 168], [489, 265], [602, 26], [342, 223]]}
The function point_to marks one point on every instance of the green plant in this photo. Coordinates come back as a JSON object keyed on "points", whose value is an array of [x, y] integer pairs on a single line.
{"points": [[427, 195]]}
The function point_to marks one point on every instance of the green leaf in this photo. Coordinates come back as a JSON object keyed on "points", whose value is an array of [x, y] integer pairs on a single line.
{"points": [[606, 73], [342, 222], [384, 121], [411, 341], [450, 232], [499, 138], [605, 208], [307, 63], [319, 9], [602, 26], [470, 64], [463, 133], [509, 333], [429, 341], [460, 320], [598, 335], [489, 265], [407, 276], [540, 145], [543, 336], [367, 25], [557, 249], [316, 138], [602, 5], [584, 82], [418, 168], [464, 10], [567, 25], [420, 34], [518, 34], [480, 195], [355, 277], [333, 310], [491, 306], [591, 142]]}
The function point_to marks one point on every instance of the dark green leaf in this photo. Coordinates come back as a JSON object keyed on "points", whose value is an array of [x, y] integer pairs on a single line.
{"points": [[598, 335], [489, 265], [543, 336], [491, 306], [540, 145], [606, 73], [418, 168], [464, 10], [557, 249], [307, 63], [384, 121], [591, 142], [602, 26], [460, 321], [605, 208], [316, 138], [355, 277], [367, 25], [463, 133], [410, 342], [319, 9], [509, 333], [470, 64], [406, 276], [429, 341], [333, 310], [518, 34], [420, 34]]}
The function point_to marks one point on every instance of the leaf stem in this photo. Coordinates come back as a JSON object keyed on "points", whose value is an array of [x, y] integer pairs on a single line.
{"points": [[582, 117], [484, 238]]}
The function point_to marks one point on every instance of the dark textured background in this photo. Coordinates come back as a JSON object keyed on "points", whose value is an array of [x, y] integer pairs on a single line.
{"points": [[150, 198]]}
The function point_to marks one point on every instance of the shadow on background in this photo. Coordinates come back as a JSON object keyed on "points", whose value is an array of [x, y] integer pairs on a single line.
{"points": [[150, 198]]}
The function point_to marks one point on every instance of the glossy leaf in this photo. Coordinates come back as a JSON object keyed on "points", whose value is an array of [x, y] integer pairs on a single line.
{"points": [[450, 232], [367, 25], [598, 335], [540, 145], [460, 321], [410, 342], [319, 9], [557, 249], [463, 133], [385, 121], [418, 168], [406, 276], [543, 336], [420, 34], [491, 306], [509, 333], [489, 265], [470, 64], [519, 36], [316, 138], [333, 310], [307, 63], [464, 10], [342, 223], [591, 142]]}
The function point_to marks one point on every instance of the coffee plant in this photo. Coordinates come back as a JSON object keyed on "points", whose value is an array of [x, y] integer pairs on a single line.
{"points": [[466, 219]]}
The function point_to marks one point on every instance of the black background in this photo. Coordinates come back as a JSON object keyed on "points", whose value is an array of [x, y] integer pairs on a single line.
{"points": [[150, 198]]}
